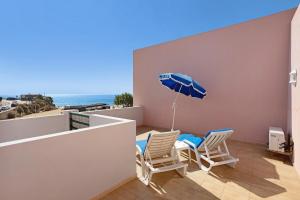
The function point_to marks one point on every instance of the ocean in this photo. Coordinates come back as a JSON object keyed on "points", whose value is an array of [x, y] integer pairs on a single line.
{"points": [[63, 100], [76, 99]]}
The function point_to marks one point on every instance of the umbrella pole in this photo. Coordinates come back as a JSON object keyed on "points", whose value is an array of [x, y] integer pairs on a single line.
{"points": [[174, 109]]}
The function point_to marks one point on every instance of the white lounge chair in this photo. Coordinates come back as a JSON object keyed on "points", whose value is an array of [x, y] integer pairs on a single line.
{"points": [[158, 154], [210, 147]]}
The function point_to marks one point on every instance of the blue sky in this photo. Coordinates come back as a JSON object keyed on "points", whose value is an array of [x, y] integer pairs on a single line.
{"points": [[85, 47]]}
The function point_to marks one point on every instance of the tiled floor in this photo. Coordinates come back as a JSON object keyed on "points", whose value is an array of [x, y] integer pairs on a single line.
{"points": [[258, 175]]}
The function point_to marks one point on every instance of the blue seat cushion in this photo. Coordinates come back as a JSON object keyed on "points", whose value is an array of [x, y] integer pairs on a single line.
{"points": [[197, 141], [142, 144]]}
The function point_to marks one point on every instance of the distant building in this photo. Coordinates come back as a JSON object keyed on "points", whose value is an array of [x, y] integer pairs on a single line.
{"points": [[29, 97], [81, 108], [11, 98]]}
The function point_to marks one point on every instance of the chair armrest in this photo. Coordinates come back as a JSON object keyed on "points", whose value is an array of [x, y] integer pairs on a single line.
{"points": [[189, 143]]}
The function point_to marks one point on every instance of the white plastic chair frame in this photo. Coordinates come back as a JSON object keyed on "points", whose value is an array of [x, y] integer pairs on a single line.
{"points": [[211, 149], [160, 156]]}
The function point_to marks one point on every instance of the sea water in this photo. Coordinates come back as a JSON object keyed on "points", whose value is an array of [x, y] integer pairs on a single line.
{"points": [[72, 99]]}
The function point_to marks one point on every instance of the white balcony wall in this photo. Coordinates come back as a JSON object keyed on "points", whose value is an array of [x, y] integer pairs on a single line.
{"points": [[96, 120], [21, 128], [75, 165], [133, 113]]}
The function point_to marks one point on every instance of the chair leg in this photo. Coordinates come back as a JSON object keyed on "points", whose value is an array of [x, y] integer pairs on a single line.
{"points": [[233, 163], [206, 169], [141, 161], [147, 179], [201, 166], [182, 171], [198, 159], [234, 160], [143, 167]]}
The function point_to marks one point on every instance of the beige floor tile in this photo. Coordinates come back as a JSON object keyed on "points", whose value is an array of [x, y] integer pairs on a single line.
{"points": [[235, 194], [213, 186]]}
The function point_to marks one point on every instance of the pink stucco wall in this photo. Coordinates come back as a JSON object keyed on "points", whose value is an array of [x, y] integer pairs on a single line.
{"points": [[295, 91], [243, 67]]}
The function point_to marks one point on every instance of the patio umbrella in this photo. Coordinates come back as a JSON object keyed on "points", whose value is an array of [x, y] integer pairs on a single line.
{"points": [[183, 84]]}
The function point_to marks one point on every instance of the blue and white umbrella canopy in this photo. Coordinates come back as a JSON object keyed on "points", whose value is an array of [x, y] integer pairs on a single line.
{"points": [[183, 84]]}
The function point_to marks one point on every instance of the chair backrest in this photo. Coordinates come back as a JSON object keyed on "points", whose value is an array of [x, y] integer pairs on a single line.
{"points": [[161, 144], [214, 138]]}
